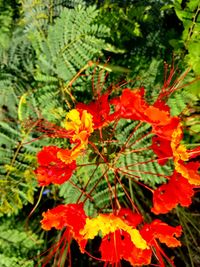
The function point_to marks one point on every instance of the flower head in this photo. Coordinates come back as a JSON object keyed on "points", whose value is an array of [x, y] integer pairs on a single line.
{"points": [[69, 215], [80, 123], [120, 238], [132, 105], [161, 231], [51, 169]]}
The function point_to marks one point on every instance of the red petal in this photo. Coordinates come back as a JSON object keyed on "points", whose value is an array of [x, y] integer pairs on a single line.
{"points": [[131, 105], [130, 217], [162, 148], [118, 245], [100, 110], [166, 131], [177, 191], [48, 155]]}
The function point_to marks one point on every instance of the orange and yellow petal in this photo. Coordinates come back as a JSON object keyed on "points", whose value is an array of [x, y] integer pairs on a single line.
{"points": [[51, 169], [109, 223], [163, 232], [80, 122], [69, 215]]}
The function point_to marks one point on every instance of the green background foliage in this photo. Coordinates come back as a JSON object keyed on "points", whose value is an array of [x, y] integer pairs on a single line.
{"points": [[52, 54]]}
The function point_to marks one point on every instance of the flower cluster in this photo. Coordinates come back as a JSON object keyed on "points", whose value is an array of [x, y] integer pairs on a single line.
{"points": [[120, 237], [124, 234]]}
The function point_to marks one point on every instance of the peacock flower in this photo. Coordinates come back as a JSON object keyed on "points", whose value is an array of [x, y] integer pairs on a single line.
{"points": [[118, 245], [71, 216], [51, 169], [120, 238], [177, 191], [131, 218], [163, 232], [157, 116], [189, 171], [165, 131], [81, 123], [132, 105], [70, 155]]}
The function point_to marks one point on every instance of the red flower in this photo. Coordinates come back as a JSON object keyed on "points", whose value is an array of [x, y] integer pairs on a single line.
{"points": [[100, 110], [118, 245], [69, 215], [52, 169], [80, 122], [130, 105], [177, 191], [161, 231]]}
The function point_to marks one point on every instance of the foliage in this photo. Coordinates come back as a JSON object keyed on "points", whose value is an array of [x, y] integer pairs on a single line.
{"points": [[189, 16], [30, 86], [18, 247]]}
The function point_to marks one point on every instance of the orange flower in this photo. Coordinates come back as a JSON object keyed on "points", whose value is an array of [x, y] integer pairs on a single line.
{"points": [[51, 169], [179, 151], [166, 131], [129, 217], [80, 123], [168, 196], [161, 231], [189, 171], [70, 155], [131, 105], [157, 116], [69, 215]]}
